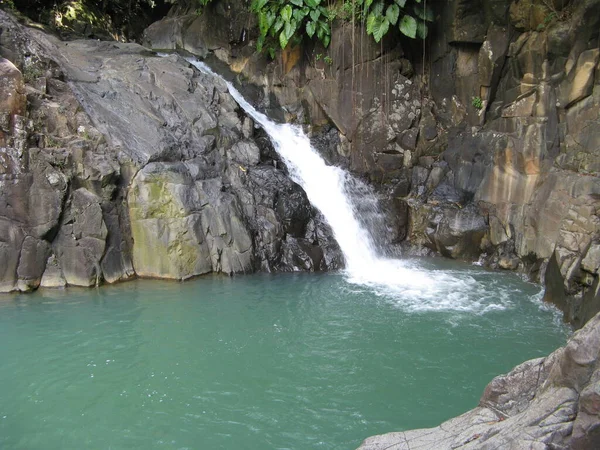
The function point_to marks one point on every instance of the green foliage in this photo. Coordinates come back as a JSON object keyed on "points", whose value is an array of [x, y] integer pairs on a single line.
{"points": [[200, 4], [7, 4], [284, 22], [550, 17], [288, 21], [382, 14], [477, 102], [327, 60]]}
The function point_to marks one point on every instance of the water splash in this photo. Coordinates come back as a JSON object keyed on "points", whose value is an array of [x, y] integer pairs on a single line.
{"points": [[332, 190]]}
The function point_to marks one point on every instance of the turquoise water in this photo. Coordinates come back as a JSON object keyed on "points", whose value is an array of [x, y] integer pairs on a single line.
{"points": [[298, 361]]}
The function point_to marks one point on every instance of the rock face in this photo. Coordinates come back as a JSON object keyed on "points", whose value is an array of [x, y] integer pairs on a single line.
{"points": [[550, 402], [117, 162], [351, 92], [488, 144], [484, 149]]}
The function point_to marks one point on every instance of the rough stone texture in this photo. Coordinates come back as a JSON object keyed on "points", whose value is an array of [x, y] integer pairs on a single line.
{"points": [[13, 102], [117, 162], [365, 93], [182, 226], [511, 184], [550, 402], [81, 240]]}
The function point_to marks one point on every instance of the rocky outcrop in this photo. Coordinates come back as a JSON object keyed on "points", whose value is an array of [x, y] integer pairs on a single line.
{"points": [[550, 402], [488, 143], [520, 157], [485, 149], [118, 162], [364, 90]]}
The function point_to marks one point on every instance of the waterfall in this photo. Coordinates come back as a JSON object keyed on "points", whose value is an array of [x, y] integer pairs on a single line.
{"points": [[328, 187], [350, 206]]}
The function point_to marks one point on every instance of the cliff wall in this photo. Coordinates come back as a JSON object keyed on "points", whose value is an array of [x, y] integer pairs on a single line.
{"points": [[117, 162], [483, 141]]}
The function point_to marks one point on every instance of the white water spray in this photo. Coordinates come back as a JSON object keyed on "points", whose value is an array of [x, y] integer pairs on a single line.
{"points": [[324, 185], [328, 188]]}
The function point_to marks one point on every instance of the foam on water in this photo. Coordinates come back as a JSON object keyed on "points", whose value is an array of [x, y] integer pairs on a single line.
{"points": [[330, 189]]}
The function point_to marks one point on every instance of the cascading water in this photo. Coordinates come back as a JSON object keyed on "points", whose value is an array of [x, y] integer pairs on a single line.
{"points": [[329, 188], [324, 185]]}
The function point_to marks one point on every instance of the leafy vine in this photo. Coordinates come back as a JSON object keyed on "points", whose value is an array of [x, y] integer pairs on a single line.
{"points": [[288, 21]]}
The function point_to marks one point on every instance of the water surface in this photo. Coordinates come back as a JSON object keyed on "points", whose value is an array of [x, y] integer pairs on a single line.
{"points": [[298, 361]]}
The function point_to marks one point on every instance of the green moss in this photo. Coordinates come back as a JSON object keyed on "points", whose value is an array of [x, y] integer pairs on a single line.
{"points": [[32, 72]]}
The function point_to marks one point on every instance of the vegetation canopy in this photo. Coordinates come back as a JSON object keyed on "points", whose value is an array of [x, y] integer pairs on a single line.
{"points": [[280, 22], [288, 21]]}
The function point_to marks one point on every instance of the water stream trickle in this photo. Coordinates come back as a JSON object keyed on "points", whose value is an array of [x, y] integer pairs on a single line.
{"points": [[341, 198]]}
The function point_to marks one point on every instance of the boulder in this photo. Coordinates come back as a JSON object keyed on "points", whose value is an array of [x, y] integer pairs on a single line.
{"points": [[181, 227]]}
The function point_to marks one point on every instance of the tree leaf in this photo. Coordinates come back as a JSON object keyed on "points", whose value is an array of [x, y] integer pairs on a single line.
{"points": [[270, 18], [323, 26], [289, 28], [277, 25], [380, 28], [298, 14], [283, 40], [401, 3], [257, 5], [310, 28], [272, 52], [424, 13], [371, 19], [312, 3], [408, 26], [322, 30], [286, 13], [326, 40], [299, 3], [314, 14], [377, 9], [259, 43], [392, 13], [422, 30], [263, 23]]}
